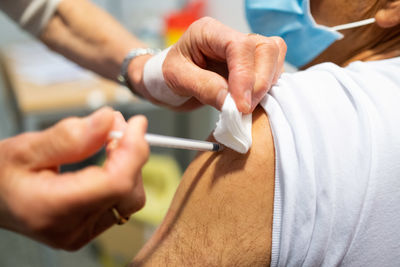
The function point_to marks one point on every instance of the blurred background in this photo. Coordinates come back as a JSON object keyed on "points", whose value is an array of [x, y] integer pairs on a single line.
{"points": [[38, 88]]}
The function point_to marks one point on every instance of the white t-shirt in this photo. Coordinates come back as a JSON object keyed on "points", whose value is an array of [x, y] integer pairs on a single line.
{"points": [[32, 15], [337, 184]]}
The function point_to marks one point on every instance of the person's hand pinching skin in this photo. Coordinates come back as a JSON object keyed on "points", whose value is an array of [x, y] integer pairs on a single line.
{"points": [[210, 60]]}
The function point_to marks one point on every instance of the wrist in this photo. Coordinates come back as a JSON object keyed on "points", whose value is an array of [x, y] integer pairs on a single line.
{"points": [[135, 75], [155, 84], [131, 71]]}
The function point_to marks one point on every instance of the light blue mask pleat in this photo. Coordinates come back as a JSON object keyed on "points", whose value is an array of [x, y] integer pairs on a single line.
{"points": [[291, 20], [300, 52], [278, 5]]}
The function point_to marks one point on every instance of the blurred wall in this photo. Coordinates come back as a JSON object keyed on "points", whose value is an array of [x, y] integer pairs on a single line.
{"points": [[9, 33], [229, 12]]}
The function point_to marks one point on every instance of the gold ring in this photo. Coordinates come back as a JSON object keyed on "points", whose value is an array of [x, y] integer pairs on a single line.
{"points": [[120, 220]]}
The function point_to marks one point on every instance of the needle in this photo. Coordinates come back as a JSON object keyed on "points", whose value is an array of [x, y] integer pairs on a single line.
{"points": [[175, 142]]}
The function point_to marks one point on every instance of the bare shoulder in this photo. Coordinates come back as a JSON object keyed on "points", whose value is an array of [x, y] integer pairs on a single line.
{"points": [[222, 211]]}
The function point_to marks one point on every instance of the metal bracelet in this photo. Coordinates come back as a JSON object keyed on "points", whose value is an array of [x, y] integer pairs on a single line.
{"points": [[123, 74]]}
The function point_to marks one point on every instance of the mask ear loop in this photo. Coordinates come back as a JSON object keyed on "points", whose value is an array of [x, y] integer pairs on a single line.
{"points": [[353, 24]]}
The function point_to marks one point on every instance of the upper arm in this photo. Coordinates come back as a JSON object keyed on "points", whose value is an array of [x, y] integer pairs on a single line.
{"points": [[222, 211]]}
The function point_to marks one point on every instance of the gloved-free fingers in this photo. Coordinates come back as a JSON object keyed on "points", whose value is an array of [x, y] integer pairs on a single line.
{"points": [[132, 201], [206, 86], [70, 140], [241, 65], [119, 176], [266, 59], [220, 43], [119, 125], [281, 57]]}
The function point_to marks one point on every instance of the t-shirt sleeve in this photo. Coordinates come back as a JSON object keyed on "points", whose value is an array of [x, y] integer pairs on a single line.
{"points": [[337, 147], [31, 15]]}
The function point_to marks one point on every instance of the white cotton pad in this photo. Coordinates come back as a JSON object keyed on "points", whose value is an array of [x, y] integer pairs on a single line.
{"points": [[233, 128], [154, 82]]}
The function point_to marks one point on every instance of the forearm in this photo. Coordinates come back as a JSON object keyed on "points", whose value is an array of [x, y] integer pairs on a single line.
{"points": [[89, 36]]}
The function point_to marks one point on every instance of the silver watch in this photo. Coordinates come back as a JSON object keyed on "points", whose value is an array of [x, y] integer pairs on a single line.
{"points": [[123, 74]]}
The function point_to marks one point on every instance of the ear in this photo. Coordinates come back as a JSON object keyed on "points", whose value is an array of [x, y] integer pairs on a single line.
{"points": [[389, 16]]}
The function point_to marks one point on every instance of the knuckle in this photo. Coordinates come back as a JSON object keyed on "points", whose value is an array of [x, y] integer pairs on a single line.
{"points": [[173, 78], [262, 84], [242, 42], [245, 72], [270, 45], [280, 43], [70, 130], [204, 22], [205, 94], [17, 148]]}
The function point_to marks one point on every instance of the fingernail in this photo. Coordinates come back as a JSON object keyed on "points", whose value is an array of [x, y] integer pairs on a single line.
{"points": [[221, 97], [247, 98]]}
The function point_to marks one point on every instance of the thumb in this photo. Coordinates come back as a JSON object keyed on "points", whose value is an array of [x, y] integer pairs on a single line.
{"points": [[70, 140], [208, 87]]}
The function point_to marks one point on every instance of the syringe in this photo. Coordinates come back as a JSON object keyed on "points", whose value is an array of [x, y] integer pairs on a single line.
{"points": [[175, 142]]}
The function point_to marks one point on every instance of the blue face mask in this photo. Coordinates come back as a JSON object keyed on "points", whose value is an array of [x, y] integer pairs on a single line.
{"points": [[292, 20]]}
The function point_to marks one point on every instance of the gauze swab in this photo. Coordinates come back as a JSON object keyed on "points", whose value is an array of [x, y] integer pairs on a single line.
{"points": [[174, 142]]}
